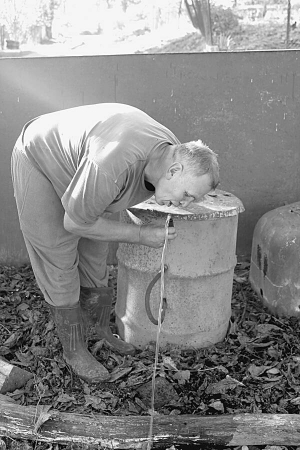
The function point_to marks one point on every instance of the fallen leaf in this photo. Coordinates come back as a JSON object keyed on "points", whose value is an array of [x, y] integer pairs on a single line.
{"points": [[24, 358], [218, 406], [244, 339], [169, 363], [43, 416], [65, 398], [266, 328], [256, 371], [182, 376], [6, 398], [95, 402], [118, 373], [273, 371], [141, 404], [22, 307], [261, 344], [164, 393], [295, 401], [271, 384], [239, 279], [222, 386], [132, 408], [12, 340], [233, 380]]}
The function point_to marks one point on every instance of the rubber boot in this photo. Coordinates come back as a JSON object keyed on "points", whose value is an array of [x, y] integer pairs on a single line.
{"points": [[96, 304], [68, 321]]}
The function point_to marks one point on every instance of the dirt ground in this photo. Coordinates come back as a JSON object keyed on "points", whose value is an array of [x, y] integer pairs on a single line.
{"points": [[249, 36], [255, 370]]}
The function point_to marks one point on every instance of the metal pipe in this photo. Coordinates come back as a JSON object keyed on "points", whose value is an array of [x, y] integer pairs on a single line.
{"points": [[147, 299]]}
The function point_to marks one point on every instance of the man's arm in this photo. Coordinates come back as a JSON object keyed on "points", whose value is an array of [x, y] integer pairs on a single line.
{"points": [[113, 231]]}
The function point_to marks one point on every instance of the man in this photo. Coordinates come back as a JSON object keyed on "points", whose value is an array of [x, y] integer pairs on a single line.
{"points": [[71, 170]]}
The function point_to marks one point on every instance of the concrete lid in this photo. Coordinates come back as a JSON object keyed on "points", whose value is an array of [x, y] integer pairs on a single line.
{"points": [[216, 205]]}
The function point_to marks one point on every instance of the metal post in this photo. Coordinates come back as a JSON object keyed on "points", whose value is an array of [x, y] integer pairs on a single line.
{"points": [[288, 23]]}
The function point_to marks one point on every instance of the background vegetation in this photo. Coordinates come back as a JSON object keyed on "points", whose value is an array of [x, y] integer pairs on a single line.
{"points": [[60, 27]]}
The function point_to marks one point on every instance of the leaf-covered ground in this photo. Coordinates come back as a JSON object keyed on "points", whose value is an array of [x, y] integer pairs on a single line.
{"points": [[256, 369]]}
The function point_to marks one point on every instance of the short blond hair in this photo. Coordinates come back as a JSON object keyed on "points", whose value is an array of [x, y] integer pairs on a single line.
{"points": [[199, 160]]}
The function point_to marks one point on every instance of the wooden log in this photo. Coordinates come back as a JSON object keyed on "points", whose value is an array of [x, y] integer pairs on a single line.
{"points": [[12, 377], [132, 431]]}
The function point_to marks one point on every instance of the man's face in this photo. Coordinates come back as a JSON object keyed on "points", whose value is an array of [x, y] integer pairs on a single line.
{"points": [[180, 188]]}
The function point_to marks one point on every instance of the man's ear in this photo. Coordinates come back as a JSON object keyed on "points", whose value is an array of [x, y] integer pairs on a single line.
{"points": [[175, 168]]}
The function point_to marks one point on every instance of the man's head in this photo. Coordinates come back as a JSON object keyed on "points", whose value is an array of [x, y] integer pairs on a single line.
{"points": [[192, 172]]}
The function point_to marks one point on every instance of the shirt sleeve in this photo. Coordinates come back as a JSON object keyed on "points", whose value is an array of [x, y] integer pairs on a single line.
{"points": [[90, 192]]}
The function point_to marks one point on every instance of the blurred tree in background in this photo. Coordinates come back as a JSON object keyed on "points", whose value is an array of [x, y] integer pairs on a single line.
{"points": [[15, 18], [199, 14], [46, 15]]}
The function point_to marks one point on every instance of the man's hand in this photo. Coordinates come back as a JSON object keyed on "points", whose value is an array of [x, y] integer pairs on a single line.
{"points": [[154, 236]]}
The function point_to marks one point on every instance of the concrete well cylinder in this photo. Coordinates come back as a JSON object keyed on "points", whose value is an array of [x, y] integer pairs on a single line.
{"points": [[198, 280]]}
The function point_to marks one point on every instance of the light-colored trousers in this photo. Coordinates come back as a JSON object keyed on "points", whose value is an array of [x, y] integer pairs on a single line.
{"points": [[61, 261]]}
